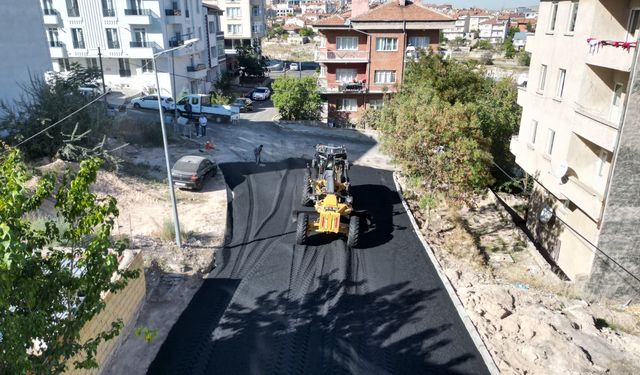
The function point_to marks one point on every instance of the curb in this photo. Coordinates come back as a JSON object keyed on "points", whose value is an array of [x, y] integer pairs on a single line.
{"points": [[471, 328]]}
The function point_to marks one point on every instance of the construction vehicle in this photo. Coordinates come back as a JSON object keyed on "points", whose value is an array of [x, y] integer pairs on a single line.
{"points": [[328, 191]]}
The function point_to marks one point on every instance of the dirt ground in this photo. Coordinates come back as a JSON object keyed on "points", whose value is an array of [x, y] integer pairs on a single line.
{"points": [[531, 321]]}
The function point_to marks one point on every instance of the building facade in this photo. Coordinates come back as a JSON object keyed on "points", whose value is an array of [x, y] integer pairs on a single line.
{"points": [[215, 42], [459, 30], [571, 140], [243, 23], [494, 30], [363, 53], [29, 51], [126, 34]]}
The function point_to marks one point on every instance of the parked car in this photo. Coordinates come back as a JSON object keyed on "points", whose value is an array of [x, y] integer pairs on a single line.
{"points": [[91, 89], [151, 102], [245, 104], [191, 171], [261, 93], [294, 66], [275, 67]]}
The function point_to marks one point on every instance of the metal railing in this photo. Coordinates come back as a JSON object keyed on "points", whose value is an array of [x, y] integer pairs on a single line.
{"points": [[136, 12], [125, 72], [79, 45], [352, 87], [195, 68], [55, 43], [140, 44], [108, 12], [343, 56], [113, 45], [172, 12], [50, 12], [176, 42], [73, 12]]}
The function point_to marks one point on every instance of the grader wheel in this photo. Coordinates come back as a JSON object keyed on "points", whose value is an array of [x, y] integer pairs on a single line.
{"points": [[354, 232], [302, 230]]}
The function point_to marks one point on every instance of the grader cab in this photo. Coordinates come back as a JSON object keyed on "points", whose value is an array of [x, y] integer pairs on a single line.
{"points": [[329, 194]]}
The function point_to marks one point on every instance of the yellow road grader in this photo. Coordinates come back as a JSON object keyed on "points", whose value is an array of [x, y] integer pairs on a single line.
{"points": [[326, 188]]}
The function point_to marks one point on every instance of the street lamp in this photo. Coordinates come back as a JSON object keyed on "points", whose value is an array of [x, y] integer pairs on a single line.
{"points": [[172, 193]]}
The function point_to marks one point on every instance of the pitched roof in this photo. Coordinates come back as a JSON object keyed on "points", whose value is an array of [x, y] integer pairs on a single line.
{"points": [[334, 20], [392, 11]]}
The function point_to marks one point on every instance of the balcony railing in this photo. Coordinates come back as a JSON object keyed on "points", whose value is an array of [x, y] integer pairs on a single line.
{"points": [[346, 87], [73, 12], [79, 45], [55, 43], [108, 12], [140, 44], [125, 72], [195, 68], [172, 12], [50, 12], [342, 56], [113, 45], [176, 43], [136, 12], [352, 87]]}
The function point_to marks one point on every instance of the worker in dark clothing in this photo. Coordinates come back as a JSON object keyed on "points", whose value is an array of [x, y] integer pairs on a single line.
{"points": [[257, 153]]}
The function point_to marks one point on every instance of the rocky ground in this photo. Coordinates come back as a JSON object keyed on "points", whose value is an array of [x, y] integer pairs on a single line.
{"points": [[531, 321]]}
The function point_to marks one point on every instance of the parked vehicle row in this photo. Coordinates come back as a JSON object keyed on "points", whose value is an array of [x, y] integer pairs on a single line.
{"points": [[151, 102]]}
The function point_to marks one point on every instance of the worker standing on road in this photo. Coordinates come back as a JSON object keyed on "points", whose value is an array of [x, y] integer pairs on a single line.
{"points": [[203, 126], [256, 153]]}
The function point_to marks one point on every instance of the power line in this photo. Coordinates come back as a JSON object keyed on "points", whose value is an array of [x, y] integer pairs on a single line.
{"points": [[62, 120], [569, 226]]}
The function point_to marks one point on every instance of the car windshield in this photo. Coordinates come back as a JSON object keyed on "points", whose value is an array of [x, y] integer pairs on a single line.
{"points": [[186, 166], [261, 91], [168, 99]]}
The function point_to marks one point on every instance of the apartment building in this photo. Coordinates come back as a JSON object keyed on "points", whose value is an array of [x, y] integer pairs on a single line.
{"points": [[126, 33], [459, 30], [26, 49], [579, 146], [363, 52], [494, 30], [215, 42], [243, 23]]}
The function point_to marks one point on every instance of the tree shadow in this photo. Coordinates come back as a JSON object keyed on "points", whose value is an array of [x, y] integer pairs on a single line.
{"points": [[337, 327]]}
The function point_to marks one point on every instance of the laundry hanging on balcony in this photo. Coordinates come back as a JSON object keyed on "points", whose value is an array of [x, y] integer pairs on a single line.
{"points": [[595, 44]]}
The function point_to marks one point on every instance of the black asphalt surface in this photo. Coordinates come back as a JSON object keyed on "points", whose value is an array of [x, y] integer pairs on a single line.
{"points": [[272, 307]]}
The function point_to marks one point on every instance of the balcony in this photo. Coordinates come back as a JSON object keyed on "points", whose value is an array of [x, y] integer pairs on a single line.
{"points": [[79, 45], [341, 87], [125, 72], [594, 128], [342, 56], [73, 12], [587, 199], [173, 16], [57, 49], [610, 57], [51, 17], [141, 44], [197, 71], [196, 67], [138, 16], [108, 12], [113, 45]]}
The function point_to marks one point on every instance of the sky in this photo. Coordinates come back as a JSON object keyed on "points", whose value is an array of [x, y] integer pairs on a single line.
{"points": [[487, 4]]}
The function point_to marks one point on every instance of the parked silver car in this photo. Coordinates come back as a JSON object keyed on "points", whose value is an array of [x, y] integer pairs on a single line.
{"points": [[151, 102]]}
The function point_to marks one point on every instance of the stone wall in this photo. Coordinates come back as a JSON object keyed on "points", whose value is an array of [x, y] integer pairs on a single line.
{"points": [[620, 229], [122, 305]]}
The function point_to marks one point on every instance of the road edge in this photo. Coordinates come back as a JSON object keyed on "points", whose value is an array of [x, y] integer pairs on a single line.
{"points": [[471, 328]]}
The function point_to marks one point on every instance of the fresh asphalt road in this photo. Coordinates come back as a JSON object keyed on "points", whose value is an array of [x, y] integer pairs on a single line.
{"points": [[273, 307]]}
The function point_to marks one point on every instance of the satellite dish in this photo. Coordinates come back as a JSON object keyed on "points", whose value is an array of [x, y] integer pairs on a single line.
{"points": [[546, 214], [558, 170]]}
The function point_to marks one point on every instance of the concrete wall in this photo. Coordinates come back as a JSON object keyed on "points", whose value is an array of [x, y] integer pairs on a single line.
{"points": [[122, 305], [620, 233], [24, 45]]}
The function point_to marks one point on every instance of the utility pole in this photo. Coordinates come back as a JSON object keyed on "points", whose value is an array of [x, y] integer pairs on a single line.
{"points": [[173, 89], [104, 87]]}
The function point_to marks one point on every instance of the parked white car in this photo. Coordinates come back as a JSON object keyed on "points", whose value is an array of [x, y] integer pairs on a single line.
{"points": [[294, 66], [151, 102], [261, 93]]}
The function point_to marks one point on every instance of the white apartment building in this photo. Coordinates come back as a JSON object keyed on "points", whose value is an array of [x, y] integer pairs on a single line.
{"points": [[127, 33], [25, 49], [459, 30], [570, 136], [243, 23], [494, 30], [215, 39]]}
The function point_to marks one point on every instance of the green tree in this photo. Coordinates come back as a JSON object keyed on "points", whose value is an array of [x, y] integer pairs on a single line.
{"points": [[53, 276], [509, 50], [484, 44], [43, 103], [251, 61], [306, 31], [297, 98], [511, 32], [276, 32], [524, 58]]}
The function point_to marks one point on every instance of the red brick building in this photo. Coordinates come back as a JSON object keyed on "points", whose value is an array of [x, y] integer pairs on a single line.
{"points": [[363, 53]]}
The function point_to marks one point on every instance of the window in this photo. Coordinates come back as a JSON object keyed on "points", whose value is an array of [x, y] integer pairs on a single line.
{"points": [[139, 37], [376, 103], [212, 27], [634, 25], [554, 16], [92, 63], [347, 43], [78, 38], [125, 68], [616, 102], [551, 135], [199, 32], [108, 9], [52, 32], [233, 13], [602, 162], [347, 105], [255, 11], [562, 75], [234, 29], [419, 41], [147, 65], [63, 65], [385, 76], [543, 78], [573, 15], [197, 7], [112, 39], [346, 75], [386, 44], [533, 131], [47, 7], [72, 8]]}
